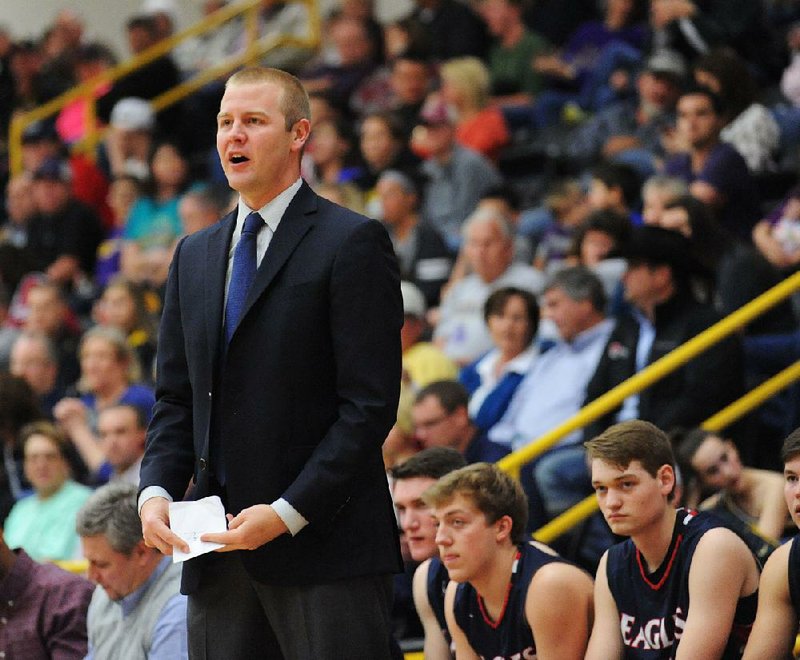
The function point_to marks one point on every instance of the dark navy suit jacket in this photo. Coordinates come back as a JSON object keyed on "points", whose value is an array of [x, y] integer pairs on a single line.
{"points": [[306, 397]]}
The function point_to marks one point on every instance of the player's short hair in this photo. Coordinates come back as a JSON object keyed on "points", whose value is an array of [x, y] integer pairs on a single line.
{"points": [[492, 491], [634, 440], [294, 100], [791, 446], [433, 462]]}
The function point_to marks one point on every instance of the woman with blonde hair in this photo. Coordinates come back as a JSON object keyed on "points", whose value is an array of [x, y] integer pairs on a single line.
{"points": [[465, 87], [110, 375]]}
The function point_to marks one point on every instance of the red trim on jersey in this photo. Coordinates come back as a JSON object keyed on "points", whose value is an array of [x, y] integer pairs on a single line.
{"points": [[494, 624], [664, 577]]}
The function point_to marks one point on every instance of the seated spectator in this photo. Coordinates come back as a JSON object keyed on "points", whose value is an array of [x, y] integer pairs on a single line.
{"points": [[153, 225], [137, 603], [457, 177], [630, 130], [658, 191], [357, 56], [732, 273], [43, 523], [128, 141], [665, 314], [20, 208], [479, 126], [421, 252], [777, 237], [122, 430], [716, 173], [44, 608], [615, 187], [410, 82], [512, 317], [129, 308], [146, 82], [123, 193], [599, 245], [18, 407], [34, 359], [714, 474], [554, 388], [202, 206], [489, 248], [423, 363], [64, 233], [749, 126], [110, 375], [508, 597], [514, 82], [441, 419], [563, 208], [331, 147], [89, 184], [49, 314], [582, 73], [384, 146], [450, 28], [89, 60]]}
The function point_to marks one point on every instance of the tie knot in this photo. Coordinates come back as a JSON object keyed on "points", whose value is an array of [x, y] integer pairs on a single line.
{"points": [[252, 223]]}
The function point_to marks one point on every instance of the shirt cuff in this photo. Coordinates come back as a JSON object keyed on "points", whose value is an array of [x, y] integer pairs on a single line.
{"points": [[149, 493], [290, 516]]}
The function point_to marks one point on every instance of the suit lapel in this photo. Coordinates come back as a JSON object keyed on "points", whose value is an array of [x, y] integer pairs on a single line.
{"points": [[295, 223], [219, 240]]}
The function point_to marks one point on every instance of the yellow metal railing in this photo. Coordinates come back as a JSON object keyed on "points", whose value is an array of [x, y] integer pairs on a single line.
{"points": [[660, 368], [255, 48], [717, 422]]}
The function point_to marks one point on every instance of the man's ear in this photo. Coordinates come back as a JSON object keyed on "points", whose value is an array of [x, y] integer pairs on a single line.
{"points": [[666, 479], [300, 133], [503, 528]]}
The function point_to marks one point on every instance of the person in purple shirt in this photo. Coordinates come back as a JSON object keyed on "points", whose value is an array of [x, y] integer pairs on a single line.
{"points": [[717, 174], [42, 608]]}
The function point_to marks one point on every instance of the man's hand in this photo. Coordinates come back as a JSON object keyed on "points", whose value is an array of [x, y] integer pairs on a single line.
{"points": [[250, 529], [155, 527]]}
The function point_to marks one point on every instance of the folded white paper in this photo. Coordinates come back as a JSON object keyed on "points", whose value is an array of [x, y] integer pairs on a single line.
{"points": [[190, 520]]}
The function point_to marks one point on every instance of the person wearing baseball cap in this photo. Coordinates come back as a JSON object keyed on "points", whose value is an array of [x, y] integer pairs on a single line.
{"points": [[664, 314]]}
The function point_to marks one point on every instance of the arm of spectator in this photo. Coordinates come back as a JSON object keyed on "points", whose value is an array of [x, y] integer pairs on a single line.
{"points": [[72, 415], [520, 98], [435, 644], [768, 246], [553, 65]]}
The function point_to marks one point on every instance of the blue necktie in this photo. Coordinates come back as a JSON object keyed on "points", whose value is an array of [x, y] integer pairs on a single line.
{"points": [[244, 272]]}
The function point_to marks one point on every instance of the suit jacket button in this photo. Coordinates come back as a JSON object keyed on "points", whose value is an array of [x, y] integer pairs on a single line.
{"points": [[203, 464]]}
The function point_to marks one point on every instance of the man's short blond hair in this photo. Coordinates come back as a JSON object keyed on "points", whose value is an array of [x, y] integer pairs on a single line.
{"points": [[494, 493], [294, 100]]}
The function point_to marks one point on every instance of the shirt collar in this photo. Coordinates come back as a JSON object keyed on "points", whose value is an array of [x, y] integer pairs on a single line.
{"points": [[129, 602], [583, 339], [272, 211]]}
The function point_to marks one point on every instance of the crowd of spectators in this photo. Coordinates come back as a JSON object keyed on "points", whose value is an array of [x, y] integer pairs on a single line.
{"points": [[572, 189]]}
